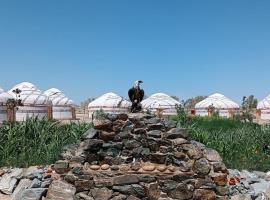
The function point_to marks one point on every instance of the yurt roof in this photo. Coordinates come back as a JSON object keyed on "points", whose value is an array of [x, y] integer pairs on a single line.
{"points": [[265, 103], [159, 100], [110, 100], [30, 94], [58, 98], [218, 101], [4, 96]]}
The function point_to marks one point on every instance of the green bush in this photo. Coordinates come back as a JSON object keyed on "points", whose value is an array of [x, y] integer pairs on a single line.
{"points": [[36, 142], [241, 145]]}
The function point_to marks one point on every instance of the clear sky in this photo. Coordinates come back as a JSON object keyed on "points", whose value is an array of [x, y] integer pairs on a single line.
{"points": [[180, 47]]}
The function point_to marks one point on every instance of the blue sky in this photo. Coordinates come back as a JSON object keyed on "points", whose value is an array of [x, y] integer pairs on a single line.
{"points": [[180, 47]]}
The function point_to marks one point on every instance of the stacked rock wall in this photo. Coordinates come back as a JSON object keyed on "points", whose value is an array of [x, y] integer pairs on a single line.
{"points": [[138, 157]]}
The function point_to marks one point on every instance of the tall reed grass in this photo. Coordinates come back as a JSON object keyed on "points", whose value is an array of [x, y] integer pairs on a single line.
{"points": [[241, 145], [36, 142]]}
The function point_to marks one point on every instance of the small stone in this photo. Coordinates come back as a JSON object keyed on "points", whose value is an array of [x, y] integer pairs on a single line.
{"points": [[212, 155], [101, 193], [61, 166], [125, 180], [94, 167], [179, 141], [202, 194], [60, 190], [148, 167], [114, 168], [105, 167], [171, 168], [124, 168], [182, 192], [135, 166], [161, 168], [219, 179], [176, 133], [84, 185], [102, 124], [201, 166], [155, 134], [139, 131], [89, 134]]}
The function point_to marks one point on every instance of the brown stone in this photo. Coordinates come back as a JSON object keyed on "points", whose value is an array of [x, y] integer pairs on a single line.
{"points": [[176, 133], [101, 193], [148, 167], [125, 180], [219, 179], [192, 151], [153, 191], [105, 167], [102, 124], [122, 116], [171, 168], [84, 185], [161, 168], [60, 190], [179, 155], [94, 167], [107, 136], [212, 155], [179, 141], [201, 194], [61, 166], [136, 166], [182, 192], [201, 166], [124, 168]]}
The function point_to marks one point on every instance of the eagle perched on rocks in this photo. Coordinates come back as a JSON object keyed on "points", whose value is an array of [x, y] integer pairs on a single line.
{"points": [[136, 95]]}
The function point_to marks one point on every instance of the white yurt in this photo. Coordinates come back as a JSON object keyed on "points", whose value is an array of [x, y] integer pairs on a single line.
{"points": [[225, 106], [63, 108], [264, 108], [34, 102], [4, 97], [109, 103], [161, 102]]}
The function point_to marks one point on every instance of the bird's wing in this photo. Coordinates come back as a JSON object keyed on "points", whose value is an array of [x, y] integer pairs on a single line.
{"points": [[141, 94], [130, 94]]}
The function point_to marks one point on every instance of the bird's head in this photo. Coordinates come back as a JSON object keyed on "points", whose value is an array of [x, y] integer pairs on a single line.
{"points": [[137, 84]]}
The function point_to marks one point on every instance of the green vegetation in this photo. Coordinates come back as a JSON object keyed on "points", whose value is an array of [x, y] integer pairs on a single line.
{"points": [[241, 145], [36, 142]]}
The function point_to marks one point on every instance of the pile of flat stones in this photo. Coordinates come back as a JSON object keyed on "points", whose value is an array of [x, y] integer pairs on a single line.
{"points": [[125, 157], [138, 156]]}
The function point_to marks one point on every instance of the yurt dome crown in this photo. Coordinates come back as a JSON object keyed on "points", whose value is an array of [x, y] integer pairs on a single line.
{"points": [[265, 103], [109, 99], [58, 98], [161, 99], [30, 94], [218, 101]]}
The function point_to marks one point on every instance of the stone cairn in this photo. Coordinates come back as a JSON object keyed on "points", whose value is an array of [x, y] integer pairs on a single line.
{"points": [[138, 157], [126, 157]]}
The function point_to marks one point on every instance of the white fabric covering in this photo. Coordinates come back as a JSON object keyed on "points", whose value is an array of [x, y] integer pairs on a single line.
{"points": [[109, 103], [161, 101], [223, 104], [34, 102], [264, 106], [62, 105]]}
